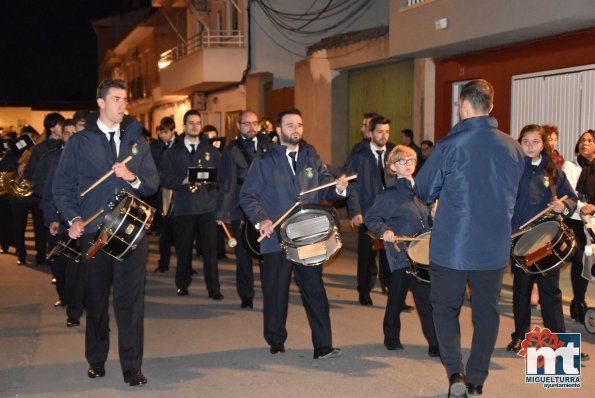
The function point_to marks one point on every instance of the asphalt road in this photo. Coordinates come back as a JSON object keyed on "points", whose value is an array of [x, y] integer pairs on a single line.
{"points": [[197, 347]]}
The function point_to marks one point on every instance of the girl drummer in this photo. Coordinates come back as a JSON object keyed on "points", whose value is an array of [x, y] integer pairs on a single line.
{"points": [[540, 187], [398, 210]]}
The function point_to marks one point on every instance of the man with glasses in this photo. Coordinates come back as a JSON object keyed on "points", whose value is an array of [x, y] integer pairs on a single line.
{"points": [[235, 162], [369, 162], [194, 205]]}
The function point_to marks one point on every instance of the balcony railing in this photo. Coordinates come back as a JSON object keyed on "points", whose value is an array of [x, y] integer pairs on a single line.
{"points": [[204, 40], [410, 3]]}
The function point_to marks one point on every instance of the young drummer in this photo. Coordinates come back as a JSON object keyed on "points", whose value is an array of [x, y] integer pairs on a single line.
{"points": [[398, 211], [540, 187]]}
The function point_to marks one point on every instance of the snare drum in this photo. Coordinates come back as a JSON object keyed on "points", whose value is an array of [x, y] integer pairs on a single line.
{"points": [[418, 253], [250, 237], [311, 235], [544, 247], [125, 226], [67, 247]]}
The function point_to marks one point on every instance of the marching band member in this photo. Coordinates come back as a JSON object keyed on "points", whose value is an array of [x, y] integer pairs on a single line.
{"points": [[235, 162], [193, 210], [272, 186], [108, 138], [540, 181], [398, 210]]}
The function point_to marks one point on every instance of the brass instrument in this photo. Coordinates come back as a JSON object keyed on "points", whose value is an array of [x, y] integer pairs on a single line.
{"points": [[16, 185], [3, 191]]}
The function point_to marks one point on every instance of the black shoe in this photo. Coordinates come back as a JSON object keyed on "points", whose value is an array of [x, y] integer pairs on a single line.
{"points": [[408, 308], [365, 300], [247, 303], [585, 356], [393, 345], [161, 270], [59, 304], [514, 345], [327, 353], [96, 371], [457, 387], [277, 348], [384, 290], [434, 351], [473, 389], [72, 322], [216, 296], [182, 291], [21, 261], [193, 272], [134, 377], [578, 310]]}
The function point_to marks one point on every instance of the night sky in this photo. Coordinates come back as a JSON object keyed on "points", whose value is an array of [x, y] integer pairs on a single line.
{"points": [[48, 48]]}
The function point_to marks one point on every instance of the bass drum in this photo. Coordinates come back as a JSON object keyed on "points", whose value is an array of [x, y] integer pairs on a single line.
{"points": [[250, 238]]}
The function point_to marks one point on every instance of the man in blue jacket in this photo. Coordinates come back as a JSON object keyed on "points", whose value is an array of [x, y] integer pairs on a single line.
{"points": [[475, 172], [368, 161], [106, 141], [272, 187]]}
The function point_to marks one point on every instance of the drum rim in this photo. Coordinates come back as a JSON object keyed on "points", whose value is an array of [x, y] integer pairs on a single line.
{"points": [[411, 244], [553, 242], [327, 211]]}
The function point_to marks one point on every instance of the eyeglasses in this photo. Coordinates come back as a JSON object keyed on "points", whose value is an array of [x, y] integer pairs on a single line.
{"points": [[247, 124], [406, 162]]}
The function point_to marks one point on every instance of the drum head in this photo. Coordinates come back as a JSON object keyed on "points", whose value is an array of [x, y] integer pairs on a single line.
{"points": [[307, 226], [536, 238], [419, 250]]}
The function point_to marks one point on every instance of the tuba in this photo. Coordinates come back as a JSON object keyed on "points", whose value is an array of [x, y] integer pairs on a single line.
{"points": [[17, 185]]}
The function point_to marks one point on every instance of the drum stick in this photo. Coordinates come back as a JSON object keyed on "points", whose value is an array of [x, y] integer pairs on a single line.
{"points": [[262, 236], [231, 242], [99, 181], [541, 213], [56, 248], [330, 184], [93, 217]]}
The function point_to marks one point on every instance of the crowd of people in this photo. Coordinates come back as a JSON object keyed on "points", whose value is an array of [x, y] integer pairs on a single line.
{"points": [[197, 182]]}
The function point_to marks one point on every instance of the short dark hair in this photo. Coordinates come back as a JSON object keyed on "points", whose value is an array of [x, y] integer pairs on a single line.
{"points": [[68, 122], [378, 120], [167, 123], [429, 143], [106, 84], [208, 128], [285, 112], [479, 93], [370, 115], [80, 115], [191, 112], [408, 133], [51, 120]]}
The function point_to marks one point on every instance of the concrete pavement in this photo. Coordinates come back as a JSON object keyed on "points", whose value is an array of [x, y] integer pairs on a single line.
{"points": [[197, 347]]}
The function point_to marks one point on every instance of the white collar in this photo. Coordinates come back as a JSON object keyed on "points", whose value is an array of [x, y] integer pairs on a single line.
{"points": [[106, 130], [375, 147]]}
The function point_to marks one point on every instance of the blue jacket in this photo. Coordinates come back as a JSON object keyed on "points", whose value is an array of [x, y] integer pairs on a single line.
{"points": [[50, 162], [400, 210], [475, 172], [270, 188], [87, 157], [174, 169], [535, 193], [365, 188]]}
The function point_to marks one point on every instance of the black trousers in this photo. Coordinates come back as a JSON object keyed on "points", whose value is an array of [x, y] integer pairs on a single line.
{"points": [[276, 278], [447, 292], [185, 226], [366, 264], [127, 280], [244, 271], [579, 284], [166, 240], [70, 283], [399, 285], [6, 231], [20, 211], [550, 301]]}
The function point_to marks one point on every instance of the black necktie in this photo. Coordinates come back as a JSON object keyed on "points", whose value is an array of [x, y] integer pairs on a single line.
{"points": [[381, 167], [112, 145], [534, 167], [293, 155], [193, 150]]}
